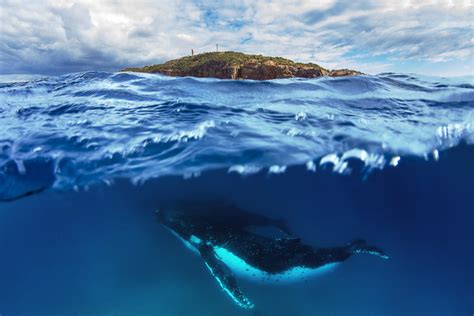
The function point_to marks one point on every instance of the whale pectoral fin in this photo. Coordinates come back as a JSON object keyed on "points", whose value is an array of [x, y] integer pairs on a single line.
{"points": [[224, 277]]}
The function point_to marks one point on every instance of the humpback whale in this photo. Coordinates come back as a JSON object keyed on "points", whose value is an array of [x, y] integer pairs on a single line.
{"points": [[226, 240]]}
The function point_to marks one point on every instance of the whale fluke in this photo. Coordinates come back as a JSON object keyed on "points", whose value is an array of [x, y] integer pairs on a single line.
{"points": [[360, 246]]}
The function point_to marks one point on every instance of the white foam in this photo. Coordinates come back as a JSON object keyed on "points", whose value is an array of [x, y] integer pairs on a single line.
{"points": [[456, 130], [277, 169], [340, 164], [394, 161], [355, 153], [196, 133], [301, 116], [331, 158], [310, 166], [244, 169]]}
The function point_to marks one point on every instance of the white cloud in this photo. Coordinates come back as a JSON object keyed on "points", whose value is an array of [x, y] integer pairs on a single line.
{"points": [[64, 36]]}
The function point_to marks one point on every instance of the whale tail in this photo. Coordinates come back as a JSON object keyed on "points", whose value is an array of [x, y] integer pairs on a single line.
{"points": [[360, 246]]}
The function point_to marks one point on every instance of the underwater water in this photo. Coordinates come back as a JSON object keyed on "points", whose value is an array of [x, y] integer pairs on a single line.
{"points": [[86, 159]]}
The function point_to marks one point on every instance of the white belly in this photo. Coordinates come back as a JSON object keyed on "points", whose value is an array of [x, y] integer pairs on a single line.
{"points": [[242, 269]]}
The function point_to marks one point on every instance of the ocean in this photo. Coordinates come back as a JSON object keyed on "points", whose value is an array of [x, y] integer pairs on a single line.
{"points": [[87, 158]]}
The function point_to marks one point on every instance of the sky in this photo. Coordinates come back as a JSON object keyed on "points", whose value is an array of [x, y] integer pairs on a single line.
{"points": [[430, 37]]}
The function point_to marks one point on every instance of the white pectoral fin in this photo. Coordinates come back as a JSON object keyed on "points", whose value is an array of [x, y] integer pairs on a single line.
{"points": [[224, 277]]}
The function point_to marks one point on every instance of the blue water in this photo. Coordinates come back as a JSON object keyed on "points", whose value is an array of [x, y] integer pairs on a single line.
{"points": [[86, 158]]}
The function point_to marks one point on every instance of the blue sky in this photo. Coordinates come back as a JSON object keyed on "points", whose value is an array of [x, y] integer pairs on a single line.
{"points": [[432, 37]]}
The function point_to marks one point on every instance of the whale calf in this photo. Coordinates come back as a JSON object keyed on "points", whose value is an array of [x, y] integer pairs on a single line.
{"points": [[223, 237]]}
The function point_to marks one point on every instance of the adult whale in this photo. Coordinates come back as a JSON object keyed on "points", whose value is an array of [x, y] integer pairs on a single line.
{"points": [[228, 241]]}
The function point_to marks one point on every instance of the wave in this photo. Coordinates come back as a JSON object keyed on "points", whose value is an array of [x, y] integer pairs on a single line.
{"points": [[84, 128]]}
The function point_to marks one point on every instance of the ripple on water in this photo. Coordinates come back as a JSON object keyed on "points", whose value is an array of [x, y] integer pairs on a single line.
{"points": [[95, 126]]}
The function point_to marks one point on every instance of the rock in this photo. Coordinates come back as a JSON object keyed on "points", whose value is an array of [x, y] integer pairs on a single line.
{"points": [[343, 73]]}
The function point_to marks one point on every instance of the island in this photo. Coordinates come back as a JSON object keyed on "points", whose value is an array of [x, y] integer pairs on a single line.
{"points": [[236, 65]]}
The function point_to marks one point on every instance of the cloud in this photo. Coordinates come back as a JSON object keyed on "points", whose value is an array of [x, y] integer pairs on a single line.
{"points": [[52, 37], [336, 9]]}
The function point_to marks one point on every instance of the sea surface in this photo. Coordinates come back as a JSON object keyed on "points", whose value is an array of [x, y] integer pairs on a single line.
{"points": [[86, 159]]}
